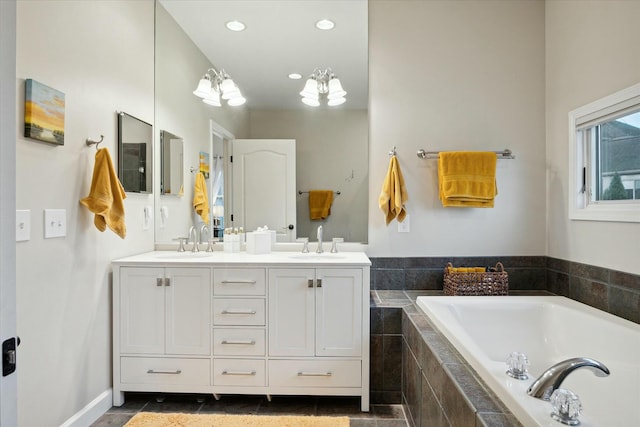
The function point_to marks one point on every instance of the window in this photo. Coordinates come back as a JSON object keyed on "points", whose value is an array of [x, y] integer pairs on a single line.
{"points": [[604, 157]]}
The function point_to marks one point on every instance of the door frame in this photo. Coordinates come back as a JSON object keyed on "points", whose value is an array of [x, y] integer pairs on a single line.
{"points": [[8, 103]]}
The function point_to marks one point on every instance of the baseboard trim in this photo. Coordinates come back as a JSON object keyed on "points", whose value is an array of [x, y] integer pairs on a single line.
{"points": [[90, 413]]}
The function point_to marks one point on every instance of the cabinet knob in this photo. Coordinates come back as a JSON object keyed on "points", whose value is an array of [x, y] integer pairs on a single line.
{"points": [[310, 283], [319, 283]]}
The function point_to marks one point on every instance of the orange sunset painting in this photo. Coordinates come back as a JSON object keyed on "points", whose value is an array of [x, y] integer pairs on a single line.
{"points": [[43, 113]]}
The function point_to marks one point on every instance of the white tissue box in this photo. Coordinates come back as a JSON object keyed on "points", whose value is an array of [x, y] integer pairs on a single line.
{"points": [[259, 242]]}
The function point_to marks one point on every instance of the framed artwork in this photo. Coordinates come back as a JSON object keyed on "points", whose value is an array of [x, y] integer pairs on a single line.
{"points": [[204, 163], [43, 113]]}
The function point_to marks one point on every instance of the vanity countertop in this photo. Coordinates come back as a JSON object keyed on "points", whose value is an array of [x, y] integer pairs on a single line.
{"points": [[219, 258]]}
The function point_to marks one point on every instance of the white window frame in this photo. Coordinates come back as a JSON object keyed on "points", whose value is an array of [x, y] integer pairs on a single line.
{"points": [[580, 205]]}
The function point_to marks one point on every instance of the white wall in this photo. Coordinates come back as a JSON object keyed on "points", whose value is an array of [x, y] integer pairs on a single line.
{"points": [[100, 55], [331, 154], [458, 75], [179, 67], [592, 50]]}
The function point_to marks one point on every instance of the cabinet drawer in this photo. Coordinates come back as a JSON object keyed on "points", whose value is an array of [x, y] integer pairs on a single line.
{"points": [[239, 281], [155, 370], [239, 311], [239, 342], [239, 372], [315, 373]]}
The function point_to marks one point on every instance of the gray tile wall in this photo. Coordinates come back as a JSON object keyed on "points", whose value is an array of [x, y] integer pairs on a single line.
{"points": [[397, 281]]}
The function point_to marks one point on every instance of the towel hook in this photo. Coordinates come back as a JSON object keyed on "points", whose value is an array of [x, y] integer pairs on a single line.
{"points": [[393, 152], [91, 142]]}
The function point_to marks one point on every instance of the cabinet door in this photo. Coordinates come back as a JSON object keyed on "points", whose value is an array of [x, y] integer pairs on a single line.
{"points": [[142, 309], [339, 312], [291, 312], [188, 318]]}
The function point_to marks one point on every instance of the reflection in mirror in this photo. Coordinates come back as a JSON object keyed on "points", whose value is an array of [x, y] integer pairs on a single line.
{"points": [[171, 164], [135, 154], [331, 142]]}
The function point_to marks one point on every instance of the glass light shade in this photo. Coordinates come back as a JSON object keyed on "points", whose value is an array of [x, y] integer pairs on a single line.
{"points": [[228, 88], [203, 89], [237, 101], [310, 89], [312, 102], [336, 101], [335, 89], [213, 98]]}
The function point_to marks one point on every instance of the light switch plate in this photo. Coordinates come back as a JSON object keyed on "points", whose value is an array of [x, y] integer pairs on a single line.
{"points": [[23, 225], [55, 223], [404, 226]]}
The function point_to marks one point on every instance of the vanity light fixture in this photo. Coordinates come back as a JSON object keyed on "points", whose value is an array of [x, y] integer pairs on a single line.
{"points": [[323, 84], [217, 84]]}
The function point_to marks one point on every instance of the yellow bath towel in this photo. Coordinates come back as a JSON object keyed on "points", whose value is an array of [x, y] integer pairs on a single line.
{"points": [[320, 203], [393, 195], [106, 196], [200, 199], [467, 179]]}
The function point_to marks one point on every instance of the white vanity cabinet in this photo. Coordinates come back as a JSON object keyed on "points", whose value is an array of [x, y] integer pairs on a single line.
{"points": [[236, 323], [162, 338]]}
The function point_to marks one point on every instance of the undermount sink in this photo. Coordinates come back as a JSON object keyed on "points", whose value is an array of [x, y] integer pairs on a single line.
{"points": [[184, 255], [317, 256]]}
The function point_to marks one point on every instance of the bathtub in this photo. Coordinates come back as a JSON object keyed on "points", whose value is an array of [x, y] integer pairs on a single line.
{"points": [[548, 329]]}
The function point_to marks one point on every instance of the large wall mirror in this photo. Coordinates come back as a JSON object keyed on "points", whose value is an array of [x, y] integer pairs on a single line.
{"points": [[135, 156], [280, 39]]}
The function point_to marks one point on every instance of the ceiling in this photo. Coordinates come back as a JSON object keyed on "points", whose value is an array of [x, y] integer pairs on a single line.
{"points": [[280, 38]]}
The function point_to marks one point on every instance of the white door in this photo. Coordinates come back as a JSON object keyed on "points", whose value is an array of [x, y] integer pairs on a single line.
{"points": [[264, 185], [291, 312], [339, 312], [188, 318], [8, 383]]}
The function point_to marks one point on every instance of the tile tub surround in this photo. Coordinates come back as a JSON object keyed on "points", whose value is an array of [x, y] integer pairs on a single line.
{"points": [[613, 291], [439, 388], [396, 282]]}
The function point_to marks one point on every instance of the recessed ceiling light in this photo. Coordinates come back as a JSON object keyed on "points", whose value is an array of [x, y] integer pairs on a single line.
{"points": [[325, 24], [235, 25], [295, 76]]}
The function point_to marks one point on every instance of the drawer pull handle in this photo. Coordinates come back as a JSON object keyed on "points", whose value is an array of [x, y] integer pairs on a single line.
{"points": [[153, 371], [249, 373], [247, 342], [314, 374], [238, 282], [159, 281], [239, 311]]}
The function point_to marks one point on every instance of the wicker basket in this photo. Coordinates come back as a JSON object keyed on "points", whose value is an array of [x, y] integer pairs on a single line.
{"points": [[480, 283]]}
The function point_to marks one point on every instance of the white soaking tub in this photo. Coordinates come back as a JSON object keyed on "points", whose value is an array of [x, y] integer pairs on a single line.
{"points": [[548, 329]]}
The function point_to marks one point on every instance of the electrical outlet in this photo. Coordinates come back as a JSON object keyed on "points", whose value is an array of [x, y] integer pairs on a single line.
{"points": [[404, 226], [55, 223], [23, 225]]}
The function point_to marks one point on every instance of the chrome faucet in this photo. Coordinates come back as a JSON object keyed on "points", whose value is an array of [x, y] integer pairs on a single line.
{"points": [[552, 378], [319, 249], [193, 232], [202, 233]]}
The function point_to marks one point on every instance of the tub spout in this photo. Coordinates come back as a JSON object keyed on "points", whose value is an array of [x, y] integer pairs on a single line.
{"points": [[552, 378]]}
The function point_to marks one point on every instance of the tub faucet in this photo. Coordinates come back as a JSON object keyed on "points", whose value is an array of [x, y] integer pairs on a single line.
{"points": [[552, 378], [193, 232], [319, 249]]}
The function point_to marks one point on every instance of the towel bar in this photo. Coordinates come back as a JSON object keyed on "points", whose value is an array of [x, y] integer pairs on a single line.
{"points": [[302, 192], [423, 154]]}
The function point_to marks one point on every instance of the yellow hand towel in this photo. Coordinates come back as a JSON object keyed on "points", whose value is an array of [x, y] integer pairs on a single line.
{"points": [[106, 196], [393, 195], [320, 203], [467, 179], [200, 199]]}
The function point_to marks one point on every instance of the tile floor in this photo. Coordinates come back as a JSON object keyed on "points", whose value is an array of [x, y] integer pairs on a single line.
{"points": [[378, 416]]}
